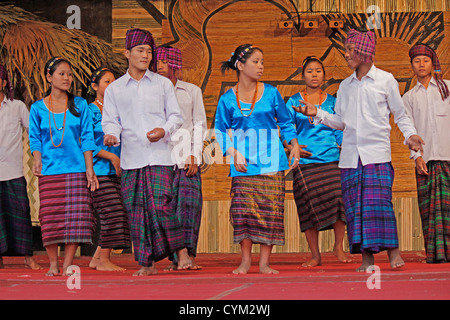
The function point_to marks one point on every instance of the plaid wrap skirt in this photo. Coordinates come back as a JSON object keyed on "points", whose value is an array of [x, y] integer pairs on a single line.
{"points": [[318, 195], [257, 208], [433, 193], [189, 200], [114, 227], [65, 214], [16, 233], [149, 200], [367, 195]]}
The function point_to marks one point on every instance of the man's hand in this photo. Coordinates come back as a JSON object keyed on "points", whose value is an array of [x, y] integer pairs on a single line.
{"points": [[156, 134], [110, 140], [415, 143], [308, 110], [421, 166]]}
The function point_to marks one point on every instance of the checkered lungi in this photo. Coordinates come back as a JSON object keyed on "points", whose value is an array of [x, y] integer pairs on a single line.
{"points": [[367, 195], [434, 204], [189, 200], [65, 212], [150, 203], [16, 233]]}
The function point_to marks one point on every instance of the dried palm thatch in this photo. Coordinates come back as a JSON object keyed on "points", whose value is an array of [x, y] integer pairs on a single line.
{"points": [[28, 41]]}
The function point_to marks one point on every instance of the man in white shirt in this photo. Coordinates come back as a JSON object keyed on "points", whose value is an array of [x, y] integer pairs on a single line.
{"points": [[187, 152], [141, 112], [16, 233], [428, 106], [364, 103]]}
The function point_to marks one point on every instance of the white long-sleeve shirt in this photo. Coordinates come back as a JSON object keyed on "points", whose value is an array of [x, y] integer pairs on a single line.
{"points": [[188, 140], [13, 118], [132, 108], [362, 111], [431, 117]]}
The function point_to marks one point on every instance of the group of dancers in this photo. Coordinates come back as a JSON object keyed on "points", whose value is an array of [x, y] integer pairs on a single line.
{"points": [[110, 158]]}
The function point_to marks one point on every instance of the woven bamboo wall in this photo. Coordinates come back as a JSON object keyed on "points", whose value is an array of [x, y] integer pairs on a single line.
{"points": [[208, 31]]}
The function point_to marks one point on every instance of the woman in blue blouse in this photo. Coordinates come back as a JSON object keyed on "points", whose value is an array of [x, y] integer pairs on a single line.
{"points": [[246, 124], [108, 204], [317, 184], [62, 144]]}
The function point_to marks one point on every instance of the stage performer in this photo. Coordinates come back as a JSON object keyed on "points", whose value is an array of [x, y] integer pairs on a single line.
{"points": [[62, 144], [188, 146], [140, 113], [246, 129], [364, 103], [428, 106], [317, 179], [107, 200], [16, 233]]}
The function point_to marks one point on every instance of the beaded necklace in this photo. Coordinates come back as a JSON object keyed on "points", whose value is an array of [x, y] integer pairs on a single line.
{"points": [[50, 110], [253, 101]]}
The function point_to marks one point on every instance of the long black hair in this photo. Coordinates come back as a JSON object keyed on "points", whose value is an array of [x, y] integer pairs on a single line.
{"points": [[50, 68], [242, 53], [96, 76]]}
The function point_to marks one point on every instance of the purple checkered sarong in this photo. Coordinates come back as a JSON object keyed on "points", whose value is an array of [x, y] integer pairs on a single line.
{"points": [[65, 213], [150, 203], [367, 195], [188, 193]]}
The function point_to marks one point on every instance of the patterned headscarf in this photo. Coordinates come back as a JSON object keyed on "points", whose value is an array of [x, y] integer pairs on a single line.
{"points": [[9, 92], [364, 42], [424, 50], [137, 37], [171, 55]]}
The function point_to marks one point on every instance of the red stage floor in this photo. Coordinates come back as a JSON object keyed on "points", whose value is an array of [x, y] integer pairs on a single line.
{"points": [[332, 280]]}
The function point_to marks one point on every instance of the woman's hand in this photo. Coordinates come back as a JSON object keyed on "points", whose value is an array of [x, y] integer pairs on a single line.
{"points": [[294, 154], [37, 164], [92, 179], [239, 160], [115, 161]]}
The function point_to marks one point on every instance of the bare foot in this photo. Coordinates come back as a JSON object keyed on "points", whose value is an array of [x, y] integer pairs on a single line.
{"points": [[314, 262], [340, 254], [242, 269], [53, 271], [367, 261], [267, 270], [146, 271], [194, 265], [29, 261], [184, 262], [171, 267], [395, 259], [108, 266]]}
